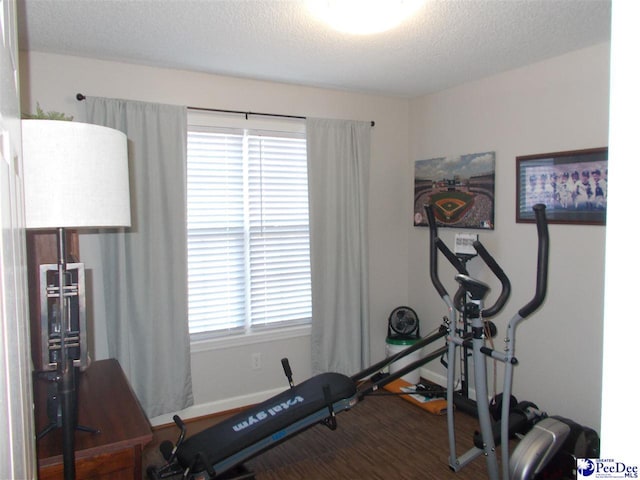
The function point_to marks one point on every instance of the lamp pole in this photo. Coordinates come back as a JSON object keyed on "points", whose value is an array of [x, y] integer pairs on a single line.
{"points": [[65, 375], [87, 165]]}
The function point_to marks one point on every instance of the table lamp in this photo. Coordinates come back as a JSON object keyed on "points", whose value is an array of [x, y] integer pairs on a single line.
{"points": [[76, 176]]}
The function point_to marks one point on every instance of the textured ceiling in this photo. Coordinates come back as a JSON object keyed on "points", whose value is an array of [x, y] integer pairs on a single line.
{"points": [[448, 43]]}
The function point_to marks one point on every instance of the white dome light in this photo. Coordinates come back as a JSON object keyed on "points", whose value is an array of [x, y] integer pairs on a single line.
{"points": [[363, 17]]}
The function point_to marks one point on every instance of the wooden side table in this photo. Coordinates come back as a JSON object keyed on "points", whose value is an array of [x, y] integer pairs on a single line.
{"points": [[107, 403]]}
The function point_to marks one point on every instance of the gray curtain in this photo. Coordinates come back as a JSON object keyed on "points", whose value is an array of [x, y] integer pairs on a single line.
{"points": [[143, 270], [338, 154]]}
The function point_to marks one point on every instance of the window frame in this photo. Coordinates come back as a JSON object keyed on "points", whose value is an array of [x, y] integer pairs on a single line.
{"points": [[202, 341]]}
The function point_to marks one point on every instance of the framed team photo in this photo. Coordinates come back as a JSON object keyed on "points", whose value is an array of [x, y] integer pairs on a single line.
{"points": [[573, 185]]}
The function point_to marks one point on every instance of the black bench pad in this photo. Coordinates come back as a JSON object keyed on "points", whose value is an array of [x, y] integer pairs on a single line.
{"points": [[266, 419]]}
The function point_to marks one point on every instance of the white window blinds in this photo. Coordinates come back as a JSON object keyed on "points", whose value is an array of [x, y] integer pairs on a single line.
{"points": [[248, 230]]}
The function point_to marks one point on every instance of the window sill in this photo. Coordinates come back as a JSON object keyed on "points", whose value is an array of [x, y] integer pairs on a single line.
{"points": [[240, 340]]}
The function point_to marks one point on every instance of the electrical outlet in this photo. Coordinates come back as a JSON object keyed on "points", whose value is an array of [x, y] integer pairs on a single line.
{"points": [[256, 361]]}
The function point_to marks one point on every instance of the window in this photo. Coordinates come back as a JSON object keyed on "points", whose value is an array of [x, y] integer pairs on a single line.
{"points": [[248, 231]]}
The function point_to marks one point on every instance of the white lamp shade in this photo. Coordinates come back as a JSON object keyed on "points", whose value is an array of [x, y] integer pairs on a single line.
{"points": [[76, 175]]}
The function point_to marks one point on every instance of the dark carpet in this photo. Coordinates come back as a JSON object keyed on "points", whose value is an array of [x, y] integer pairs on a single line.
{"points": [[382, 437]]}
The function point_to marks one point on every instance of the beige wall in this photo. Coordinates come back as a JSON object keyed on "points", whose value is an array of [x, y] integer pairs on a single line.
{"points": [[53, 81], [559, 104], [556, 105]]}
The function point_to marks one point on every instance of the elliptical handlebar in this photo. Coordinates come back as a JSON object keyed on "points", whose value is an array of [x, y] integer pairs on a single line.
{"points": [[505, 292], [437, 244], [543, 262]]}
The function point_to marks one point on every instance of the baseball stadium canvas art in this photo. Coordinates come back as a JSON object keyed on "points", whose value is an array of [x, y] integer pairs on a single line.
{"points": [[460, 188], [573, 185]]}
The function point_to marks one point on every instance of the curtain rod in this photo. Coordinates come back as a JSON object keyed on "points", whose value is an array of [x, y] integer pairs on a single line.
{"points": [[81, 97]]}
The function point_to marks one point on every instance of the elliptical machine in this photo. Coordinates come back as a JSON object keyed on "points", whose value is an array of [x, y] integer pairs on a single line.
{"points": [[550, 448]]}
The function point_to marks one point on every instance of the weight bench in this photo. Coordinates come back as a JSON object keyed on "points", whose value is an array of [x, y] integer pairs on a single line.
{"points": [[260, 427], [219, 451]]}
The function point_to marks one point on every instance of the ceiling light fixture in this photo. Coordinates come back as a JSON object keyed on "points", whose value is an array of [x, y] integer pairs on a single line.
{"points": [[363, 17]]}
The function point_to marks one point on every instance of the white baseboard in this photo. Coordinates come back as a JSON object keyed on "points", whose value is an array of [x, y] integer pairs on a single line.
{"points": [[441, 380], [433, 377], [217, 406]]}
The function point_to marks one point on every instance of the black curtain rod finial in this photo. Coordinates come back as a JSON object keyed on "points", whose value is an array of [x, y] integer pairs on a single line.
{"points": [[80, 97]]}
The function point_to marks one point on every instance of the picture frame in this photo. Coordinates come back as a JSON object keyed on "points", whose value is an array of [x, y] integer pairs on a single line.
{"points": [[461, 189], [572, 184]]}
